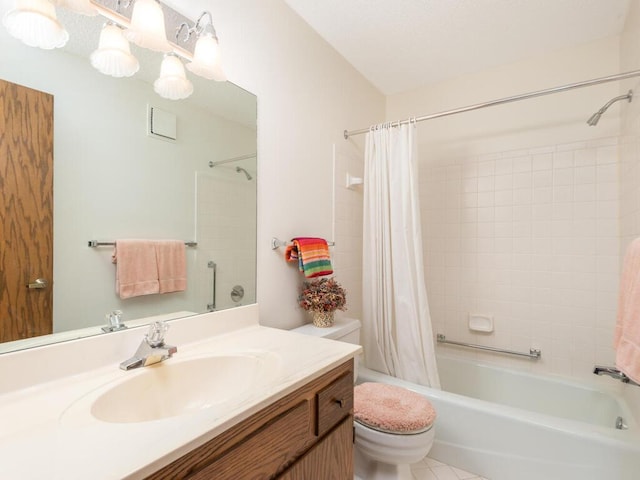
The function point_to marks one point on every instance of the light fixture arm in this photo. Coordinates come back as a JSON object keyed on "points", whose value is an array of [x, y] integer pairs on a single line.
{"points": [[187, 34], [123, 4], [198, 28], [201, 28]]}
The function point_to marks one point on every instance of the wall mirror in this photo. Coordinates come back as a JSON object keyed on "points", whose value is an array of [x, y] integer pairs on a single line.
{"points": [[112, 180]]}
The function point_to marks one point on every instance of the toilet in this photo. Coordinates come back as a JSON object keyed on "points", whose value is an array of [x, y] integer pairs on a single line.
{"points": [[394, 427]]}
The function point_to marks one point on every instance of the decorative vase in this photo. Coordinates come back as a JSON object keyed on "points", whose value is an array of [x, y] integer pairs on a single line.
{"points": [[322, 319]]}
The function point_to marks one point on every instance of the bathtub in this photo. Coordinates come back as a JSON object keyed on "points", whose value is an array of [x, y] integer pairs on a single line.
{"points": [[509, 425]]}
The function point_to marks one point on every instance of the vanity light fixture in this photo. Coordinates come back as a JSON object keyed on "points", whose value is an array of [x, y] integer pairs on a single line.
{"points": [[139, 21], [173, 82], [113, 56], [206, 61], [35, 23], [83, 7], [147, 28]]}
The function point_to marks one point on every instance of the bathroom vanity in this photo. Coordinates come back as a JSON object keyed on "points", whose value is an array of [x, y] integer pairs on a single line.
{"points": [[236, 401], [307, 434]]}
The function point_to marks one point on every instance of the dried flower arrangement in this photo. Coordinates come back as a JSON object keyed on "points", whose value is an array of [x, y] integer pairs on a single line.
{"points": [[324, 295]]}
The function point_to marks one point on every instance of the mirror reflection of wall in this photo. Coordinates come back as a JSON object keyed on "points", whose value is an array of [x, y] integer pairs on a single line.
{"points": [[112, 180]]}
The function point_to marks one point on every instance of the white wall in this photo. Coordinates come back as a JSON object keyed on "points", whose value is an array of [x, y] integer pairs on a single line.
{"points": [[520, 208], [307, 95]]}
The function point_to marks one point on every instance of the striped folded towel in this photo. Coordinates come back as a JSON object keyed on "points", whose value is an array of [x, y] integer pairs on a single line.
{"points": [[312, 255]]}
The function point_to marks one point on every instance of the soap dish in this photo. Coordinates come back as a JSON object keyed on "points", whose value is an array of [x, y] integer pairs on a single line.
{"points": [[480, 323]]}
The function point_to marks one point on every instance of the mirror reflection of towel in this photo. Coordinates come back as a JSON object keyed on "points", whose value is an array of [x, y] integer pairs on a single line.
{"points": [[172, 270], [312, 255], [136, 268], [145, 267]]}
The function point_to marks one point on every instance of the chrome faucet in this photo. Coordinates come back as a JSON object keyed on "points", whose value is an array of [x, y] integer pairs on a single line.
{"points": [[613, 373], [152, 349], [114, 322]]}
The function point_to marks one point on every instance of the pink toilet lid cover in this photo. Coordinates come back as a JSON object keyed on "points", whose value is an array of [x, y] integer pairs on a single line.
{"points": [[392, 409]]}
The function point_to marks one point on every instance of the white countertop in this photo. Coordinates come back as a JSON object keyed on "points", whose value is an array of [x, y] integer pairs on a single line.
{"points": [[48, 432]]}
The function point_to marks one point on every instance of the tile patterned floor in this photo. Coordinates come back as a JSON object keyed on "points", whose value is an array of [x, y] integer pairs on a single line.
{"points": [[430, 469]]}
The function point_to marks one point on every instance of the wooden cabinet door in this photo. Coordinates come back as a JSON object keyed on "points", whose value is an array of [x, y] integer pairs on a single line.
{"points": [[330, 459], [26, 212]]}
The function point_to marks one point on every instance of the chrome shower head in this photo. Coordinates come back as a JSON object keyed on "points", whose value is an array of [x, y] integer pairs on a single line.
{"points": [[240, 169], [595, 118]]}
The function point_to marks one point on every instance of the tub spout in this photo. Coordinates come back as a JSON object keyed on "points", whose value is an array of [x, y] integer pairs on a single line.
{"points": [[613, 373]]}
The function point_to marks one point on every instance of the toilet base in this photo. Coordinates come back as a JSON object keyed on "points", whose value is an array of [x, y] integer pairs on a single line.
{"points": [[370, 470]]}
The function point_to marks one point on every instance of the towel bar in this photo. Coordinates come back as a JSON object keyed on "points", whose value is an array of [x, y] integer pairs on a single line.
{"points": [[533, 353], [277, 243], [97, 243]]}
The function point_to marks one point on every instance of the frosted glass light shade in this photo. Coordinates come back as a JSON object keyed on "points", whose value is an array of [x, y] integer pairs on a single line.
{"points": [[147, 26], [206, 59], [173, 82], [35, 23], [83, 7], [113, 56]]}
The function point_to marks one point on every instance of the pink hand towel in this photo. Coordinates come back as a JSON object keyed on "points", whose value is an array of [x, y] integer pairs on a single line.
{"points": [[136, 268], [627, 333], [172, 265]]}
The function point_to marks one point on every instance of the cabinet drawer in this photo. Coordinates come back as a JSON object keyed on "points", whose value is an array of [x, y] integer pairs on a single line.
{"points": [[333, 403]]}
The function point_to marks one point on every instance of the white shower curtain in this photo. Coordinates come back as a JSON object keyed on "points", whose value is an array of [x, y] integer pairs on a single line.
{"points": [[397, 333]]}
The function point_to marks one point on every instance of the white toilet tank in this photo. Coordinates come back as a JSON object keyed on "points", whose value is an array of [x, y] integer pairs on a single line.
{"points": [[343, 330]]}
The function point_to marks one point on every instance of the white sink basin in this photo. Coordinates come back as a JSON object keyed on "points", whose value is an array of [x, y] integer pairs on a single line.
{"points": [[178, 387]]}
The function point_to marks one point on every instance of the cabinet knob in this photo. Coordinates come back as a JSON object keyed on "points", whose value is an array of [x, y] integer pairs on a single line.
{"points": [[340, 401]]}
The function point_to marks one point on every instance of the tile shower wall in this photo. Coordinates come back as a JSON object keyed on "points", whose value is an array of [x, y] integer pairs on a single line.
{"points": [[347, 221], [531, 238], [226, 232]]}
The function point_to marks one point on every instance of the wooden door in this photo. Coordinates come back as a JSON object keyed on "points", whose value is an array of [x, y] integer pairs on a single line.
{"points": [[26, 212]]}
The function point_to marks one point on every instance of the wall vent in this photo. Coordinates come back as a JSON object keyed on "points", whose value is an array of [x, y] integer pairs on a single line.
{"points": [[161, 124]]}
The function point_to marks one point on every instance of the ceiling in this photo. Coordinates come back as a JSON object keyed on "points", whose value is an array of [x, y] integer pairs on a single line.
{"points": [[400, 45]]}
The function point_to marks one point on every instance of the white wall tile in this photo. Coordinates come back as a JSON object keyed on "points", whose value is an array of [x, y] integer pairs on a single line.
{"points": [[522, 164], [543, 178], [538, 246], [585, 175], [563, 158], [563, 176]]}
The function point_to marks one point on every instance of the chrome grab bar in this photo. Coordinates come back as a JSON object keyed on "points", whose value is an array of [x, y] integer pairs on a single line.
{"points": [[534, 354], [211, 307]]}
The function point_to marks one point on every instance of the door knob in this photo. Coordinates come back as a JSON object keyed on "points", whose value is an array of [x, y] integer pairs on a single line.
{"points": [[38, 284]]}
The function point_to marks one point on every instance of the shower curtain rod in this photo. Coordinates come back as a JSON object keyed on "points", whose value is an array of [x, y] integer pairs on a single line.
{"points": [[515, 98], [234, 159]]}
